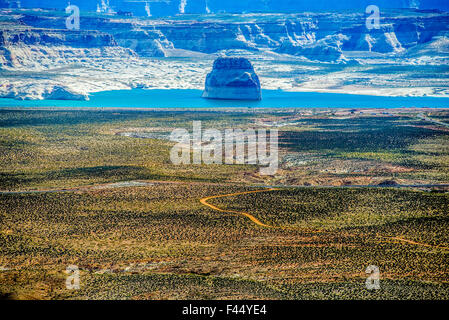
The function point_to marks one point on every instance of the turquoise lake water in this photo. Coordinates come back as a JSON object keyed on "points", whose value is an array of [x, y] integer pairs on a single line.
{"points": [[174, 98]]}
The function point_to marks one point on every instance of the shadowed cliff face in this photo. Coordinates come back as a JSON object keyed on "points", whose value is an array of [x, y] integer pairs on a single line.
{"points": [[232, 79]]}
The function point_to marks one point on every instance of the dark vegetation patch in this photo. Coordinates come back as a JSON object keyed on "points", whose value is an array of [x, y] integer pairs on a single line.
{"points": [[356, 135], [370, 206]]}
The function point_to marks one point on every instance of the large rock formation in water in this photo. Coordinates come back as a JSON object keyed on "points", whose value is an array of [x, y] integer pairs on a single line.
{"points": [[233, 79]]}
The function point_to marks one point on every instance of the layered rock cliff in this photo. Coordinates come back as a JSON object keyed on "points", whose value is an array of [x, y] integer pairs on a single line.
{"points": [[232, 79], [302, 51], [172, 7], [315, 36]]}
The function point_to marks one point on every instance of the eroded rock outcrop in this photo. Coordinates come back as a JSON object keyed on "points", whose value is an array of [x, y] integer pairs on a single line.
{"points": [[62, 93], [232, 79]]}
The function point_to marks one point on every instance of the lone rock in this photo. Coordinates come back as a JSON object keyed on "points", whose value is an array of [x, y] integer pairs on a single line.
{"points": [[232, 79]]}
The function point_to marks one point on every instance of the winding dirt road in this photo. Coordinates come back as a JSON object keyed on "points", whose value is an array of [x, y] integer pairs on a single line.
{"points": [[246, 214], [205, 200], [259, 223], [403, 240]]}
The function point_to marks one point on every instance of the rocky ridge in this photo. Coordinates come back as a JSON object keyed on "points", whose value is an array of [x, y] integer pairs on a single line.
{"points": [[178, 7], [232, 79], [315, 36]]}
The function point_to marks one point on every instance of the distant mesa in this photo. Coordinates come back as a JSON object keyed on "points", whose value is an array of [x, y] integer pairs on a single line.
{"points": [[63, 93], [232, 79]]}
